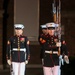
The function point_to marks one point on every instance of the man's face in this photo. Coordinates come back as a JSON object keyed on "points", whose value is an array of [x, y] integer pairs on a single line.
{"points": [[51, 31], [45, 31], [18, 31]]}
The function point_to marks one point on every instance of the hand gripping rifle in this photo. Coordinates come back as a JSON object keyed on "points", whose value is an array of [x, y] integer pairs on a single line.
{"points": [[56, 5]]}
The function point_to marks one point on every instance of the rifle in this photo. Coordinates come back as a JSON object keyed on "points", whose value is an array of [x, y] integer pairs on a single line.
{"points": [[56, 6], [57, 20]]}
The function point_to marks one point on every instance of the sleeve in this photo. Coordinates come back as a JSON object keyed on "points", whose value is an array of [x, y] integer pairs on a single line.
{"points": [[8, 54], [42, 39], [27, 49], [64, 50]]}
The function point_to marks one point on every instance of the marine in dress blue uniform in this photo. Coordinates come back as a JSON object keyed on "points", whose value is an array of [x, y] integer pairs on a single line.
{"points": [[51, 52], [18, 53], [42, 38]]}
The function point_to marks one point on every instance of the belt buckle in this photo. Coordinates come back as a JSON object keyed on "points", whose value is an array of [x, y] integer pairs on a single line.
{"points": [[50, 52], [18, 49]]}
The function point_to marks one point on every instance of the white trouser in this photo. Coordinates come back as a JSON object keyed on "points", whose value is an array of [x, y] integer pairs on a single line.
{"points": [[18, 68], [51, 70], [59, 71], [61, 61]]}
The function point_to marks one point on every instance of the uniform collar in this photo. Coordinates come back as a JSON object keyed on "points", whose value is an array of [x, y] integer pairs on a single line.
{"points": [[18, 36]]}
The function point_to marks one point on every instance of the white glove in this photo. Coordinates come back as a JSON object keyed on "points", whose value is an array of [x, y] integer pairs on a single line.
{"points": [[66, 59], [9, 62], [60, 57], [61, 60], [58, 44], [26, 62], [42, 61]]}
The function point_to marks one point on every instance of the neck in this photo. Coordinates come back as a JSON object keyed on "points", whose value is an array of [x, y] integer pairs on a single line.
{"points": [[18, 35]]}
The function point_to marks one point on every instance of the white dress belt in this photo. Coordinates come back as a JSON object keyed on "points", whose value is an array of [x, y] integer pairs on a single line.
{"points": [[52, 52], [21, 49]]}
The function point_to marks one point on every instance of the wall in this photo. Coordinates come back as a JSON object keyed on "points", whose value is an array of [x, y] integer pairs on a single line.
{"points": [[27, 13]]}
